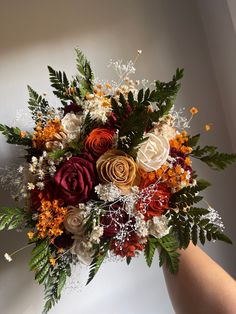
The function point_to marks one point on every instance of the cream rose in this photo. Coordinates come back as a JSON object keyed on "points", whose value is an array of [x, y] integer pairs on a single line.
{"points": [[117, 167], [158, 226], [153, 153], [74, 220], [83, 249], [72, 124]]}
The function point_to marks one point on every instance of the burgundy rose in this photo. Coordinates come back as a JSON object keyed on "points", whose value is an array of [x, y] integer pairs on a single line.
{"points": [[72, 107], [75, 179], [116, 219]]}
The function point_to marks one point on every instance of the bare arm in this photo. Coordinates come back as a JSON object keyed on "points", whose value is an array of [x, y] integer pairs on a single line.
{"points": [[201, 286]]}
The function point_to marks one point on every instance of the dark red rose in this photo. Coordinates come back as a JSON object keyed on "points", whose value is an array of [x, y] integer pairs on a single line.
{"points": [[64, 241], [72, 107], [116, 219], [75, 179]]}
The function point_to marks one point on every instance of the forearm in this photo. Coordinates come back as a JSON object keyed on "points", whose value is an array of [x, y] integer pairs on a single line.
{"points": [[201, 286]]}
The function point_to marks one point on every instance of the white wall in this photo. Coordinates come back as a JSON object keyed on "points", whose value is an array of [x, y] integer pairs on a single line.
{"points": [[171, 34]]}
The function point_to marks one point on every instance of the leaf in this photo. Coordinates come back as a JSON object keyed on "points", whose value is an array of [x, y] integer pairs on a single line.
{"points": [[193, 140], [222, 237], [85, 77], [213, 158], [168, 255], [140, 96], [40, 260], [128, 259], [196, 211], [96, 263], [41, 275], [61, 283], [61, 85], [13, 135], [150, 250], [56, 280], [56, 154], [12, 218], [167, 92]]}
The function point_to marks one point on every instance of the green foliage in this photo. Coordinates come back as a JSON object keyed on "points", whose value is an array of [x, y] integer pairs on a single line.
{"points": [[61, 85], [133, 122], [97, 262], [57, 154], [12, 218], [13, 136], [56, 280], [214, 159], [168, 255], [85, 77], [193, 140], [38, 106], [150, 250], [167, 92], [194, 225], [128, 259], [188, 196], [40, 261], [88, 125]]}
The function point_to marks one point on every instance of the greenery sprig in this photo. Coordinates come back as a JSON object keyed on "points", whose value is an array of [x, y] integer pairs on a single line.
{"points": [[14, 135], [13, 218], [213, 158]]}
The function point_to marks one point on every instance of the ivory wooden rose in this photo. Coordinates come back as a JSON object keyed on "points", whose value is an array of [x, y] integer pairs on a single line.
{"points": [[74, 220], [72, 124], [117, 167], [153, 153]]}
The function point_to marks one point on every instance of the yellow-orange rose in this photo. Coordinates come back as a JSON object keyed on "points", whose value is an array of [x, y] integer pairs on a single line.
{"points": [[117, 167]]}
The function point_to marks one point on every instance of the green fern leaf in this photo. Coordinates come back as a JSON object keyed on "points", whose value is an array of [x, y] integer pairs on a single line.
{"points": [[12, 218], [168, 255], [150, 250], [213, 158], [97, 262], [13, 136], [85, 77]]}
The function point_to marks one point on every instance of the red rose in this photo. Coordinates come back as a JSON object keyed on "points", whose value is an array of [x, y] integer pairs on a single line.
{"points": [[99, 141], [113, 221], [75, 179]]}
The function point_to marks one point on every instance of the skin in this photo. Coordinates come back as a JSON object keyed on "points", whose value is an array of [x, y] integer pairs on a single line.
{"points": [[201, 285]]}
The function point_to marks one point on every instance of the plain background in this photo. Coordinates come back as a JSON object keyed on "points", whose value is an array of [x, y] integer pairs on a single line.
{"points": [[197, 35]]}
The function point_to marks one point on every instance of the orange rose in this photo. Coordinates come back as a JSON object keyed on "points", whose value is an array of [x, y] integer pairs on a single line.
{"points": [[99, 141], [157, 204]]}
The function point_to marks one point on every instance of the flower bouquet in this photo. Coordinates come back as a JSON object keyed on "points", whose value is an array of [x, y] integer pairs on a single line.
{"points": [[108, 173]]}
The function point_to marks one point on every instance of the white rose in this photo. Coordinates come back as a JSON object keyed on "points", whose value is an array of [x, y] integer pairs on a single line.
{"points": [[158, 226], [72, 124], [74, 220], [153, 153], [83, 250]]}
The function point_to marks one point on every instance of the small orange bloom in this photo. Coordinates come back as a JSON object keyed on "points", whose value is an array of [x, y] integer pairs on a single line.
{"points": [[194, 110], [30, 235], [108, 85], [207, 127], [52, 261], [23, 134]]}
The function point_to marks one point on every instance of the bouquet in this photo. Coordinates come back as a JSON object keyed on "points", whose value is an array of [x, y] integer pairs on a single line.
{"points": [[109, 172]]}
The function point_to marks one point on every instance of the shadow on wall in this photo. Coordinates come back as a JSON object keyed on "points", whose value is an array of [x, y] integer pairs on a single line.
{"points": [[31, 22]]}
